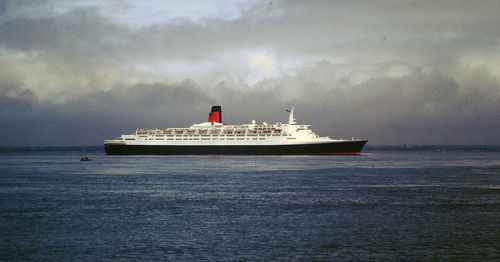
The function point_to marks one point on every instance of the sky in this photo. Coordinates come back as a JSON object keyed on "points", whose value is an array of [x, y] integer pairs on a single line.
{"points": [[394, 72]]}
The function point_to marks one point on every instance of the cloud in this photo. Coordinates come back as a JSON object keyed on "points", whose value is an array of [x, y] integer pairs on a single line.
{"points": [[100, 115], [397, 73], [425, 107]]}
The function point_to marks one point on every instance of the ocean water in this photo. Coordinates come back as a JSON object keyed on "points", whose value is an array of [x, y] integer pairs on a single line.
{"points": [[390, 203]]}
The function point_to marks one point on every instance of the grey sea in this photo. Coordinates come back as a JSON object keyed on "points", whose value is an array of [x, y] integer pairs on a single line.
{"points": [[408, 203]]}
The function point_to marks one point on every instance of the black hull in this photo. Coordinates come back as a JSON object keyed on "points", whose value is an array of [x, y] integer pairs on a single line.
{"points": [[333, 148]]}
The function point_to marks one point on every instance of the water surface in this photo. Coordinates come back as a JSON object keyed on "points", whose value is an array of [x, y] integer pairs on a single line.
{"points": [[387, 204]]}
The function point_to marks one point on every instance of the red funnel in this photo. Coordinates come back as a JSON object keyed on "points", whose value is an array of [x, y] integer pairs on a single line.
{"points": [[215, 115]]}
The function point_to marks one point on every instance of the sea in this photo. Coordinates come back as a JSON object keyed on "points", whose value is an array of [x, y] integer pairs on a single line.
{"points": [[391, 203]]}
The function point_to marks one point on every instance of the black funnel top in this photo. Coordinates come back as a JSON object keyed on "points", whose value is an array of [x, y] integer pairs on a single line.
{"points": [[216, 109]]}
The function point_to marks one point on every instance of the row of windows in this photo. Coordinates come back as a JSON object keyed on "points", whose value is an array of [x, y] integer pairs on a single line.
{"points": [[203, 136], [204, 139], [197, 137]]}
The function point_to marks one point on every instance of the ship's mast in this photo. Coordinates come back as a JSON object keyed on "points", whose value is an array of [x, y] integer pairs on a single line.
{"points": [[291, 119]]}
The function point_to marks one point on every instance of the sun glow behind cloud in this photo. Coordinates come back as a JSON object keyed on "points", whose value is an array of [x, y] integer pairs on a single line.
{"points": [[247, 67], [262, 65]]}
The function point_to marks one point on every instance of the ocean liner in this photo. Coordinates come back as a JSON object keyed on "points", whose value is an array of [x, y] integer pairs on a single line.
{"points": [[216, 138]]}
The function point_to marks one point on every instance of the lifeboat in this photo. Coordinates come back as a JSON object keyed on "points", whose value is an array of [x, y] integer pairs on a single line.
{"points": [[86, 158]]}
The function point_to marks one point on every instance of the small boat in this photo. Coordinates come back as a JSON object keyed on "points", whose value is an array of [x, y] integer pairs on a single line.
{"points": [[86, 158]]}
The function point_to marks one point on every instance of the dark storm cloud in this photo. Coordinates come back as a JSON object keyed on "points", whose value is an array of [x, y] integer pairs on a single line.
{"points": [[402, 72], [75, 37], [429, 32], [12, 108], [3, 6], [303, 28], [426, 107], [101, 115]]}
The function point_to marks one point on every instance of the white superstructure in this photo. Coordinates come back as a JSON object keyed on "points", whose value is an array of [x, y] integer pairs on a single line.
{"points": [[215, 133]]}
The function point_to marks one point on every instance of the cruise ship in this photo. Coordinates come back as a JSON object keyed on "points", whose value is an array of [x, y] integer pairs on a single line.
{"points": [[216, 138]]}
